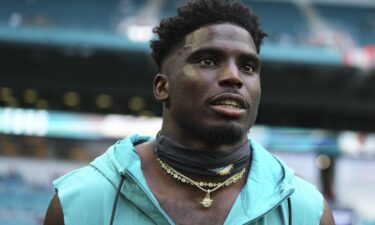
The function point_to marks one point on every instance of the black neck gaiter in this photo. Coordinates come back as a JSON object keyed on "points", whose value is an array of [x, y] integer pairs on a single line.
{"points": [[200, 161]]}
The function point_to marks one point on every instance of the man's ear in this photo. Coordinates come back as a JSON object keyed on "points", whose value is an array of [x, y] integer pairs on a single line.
{"points": [[161, 87]]}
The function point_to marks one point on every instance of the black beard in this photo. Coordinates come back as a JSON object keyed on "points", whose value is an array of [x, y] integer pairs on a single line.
{"points": [[224, 135]]}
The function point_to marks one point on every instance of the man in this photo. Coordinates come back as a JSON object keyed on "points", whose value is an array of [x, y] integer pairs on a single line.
{"points": [[201, 168]]}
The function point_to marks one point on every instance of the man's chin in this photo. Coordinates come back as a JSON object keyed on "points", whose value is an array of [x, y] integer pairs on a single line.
{"points": [[228, 135]]}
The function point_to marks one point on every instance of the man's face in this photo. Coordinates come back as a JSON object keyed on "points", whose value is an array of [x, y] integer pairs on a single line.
{"points": [[213, 85]]}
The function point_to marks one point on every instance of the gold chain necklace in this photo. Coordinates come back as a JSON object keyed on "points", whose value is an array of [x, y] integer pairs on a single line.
{"points": [[207, 200]]}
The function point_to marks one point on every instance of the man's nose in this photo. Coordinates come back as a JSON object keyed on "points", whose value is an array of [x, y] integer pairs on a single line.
{"points": [[230, 75]]}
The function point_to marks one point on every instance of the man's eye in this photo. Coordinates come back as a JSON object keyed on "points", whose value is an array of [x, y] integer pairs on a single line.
{"points": [[248, 68], [206, 62]]}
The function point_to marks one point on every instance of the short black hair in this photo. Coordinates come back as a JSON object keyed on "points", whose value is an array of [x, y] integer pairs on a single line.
{"points": [[198, 13]]}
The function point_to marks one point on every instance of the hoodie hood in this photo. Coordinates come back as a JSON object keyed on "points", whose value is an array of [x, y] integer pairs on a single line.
{"points": [[122, 159], [119, 158], [268, 184]]}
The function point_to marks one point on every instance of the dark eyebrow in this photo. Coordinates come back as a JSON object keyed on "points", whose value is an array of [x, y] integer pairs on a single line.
{"points": [[203, 51], [218, 52]]}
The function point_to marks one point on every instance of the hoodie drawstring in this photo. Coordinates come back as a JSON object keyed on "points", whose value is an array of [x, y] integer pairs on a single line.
{"points": [[114, 207], [289, 211]]}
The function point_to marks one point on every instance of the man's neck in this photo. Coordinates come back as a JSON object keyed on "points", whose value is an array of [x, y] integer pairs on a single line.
{"points": [[194, 141]]}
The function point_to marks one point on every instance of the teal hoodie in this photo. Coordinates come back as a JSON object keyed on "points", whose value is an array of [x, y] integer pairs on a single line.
{"points": [[87, 194]]}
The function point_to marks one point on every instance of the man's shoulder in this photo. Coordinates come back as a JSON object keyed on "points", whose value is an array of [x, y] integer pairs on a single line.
{"points": [[307, 200], [86, 178], [80, 175], [307, 190], [83, 189], [104, 171]]}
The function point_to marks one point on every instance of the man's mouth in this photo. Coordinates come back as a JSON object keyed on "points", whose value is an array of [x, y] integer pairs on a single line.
{"points": [[229, 105]]}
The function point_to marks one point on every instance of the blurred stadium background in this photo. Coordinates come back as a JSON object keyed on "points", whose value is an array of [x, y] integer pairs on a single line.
{"points": [[76, 75]]}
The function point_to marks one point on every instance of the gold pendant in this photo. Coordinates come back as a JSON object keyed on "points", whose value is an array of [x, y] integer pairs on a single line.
{"points": [[207, 201], [226, 170]]}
